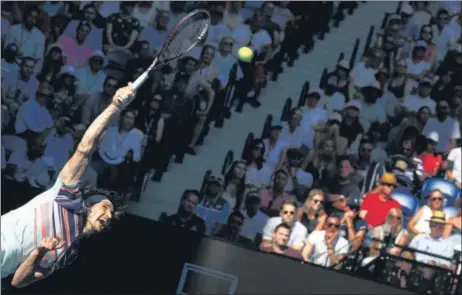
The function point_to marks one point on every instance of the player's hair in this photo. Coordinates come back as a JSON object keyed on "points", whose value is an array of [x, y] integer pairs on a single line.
{"points": [[118, 200]]}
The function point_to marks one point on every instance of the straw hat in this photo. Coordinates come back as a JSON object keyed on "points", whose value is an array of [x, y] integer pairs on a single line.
{"points": [[438, 217]]}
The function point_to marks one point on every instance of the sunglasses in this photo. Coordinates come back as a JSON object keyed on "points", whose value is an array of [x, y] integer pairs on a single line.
{"points": [[436, 199], [318, 201], [366, 150], [97, 60], [434, 224], [45, 95], [331, 225], [288, 212], [388, 184], [227, 43], [237, 222], [396, 217]]}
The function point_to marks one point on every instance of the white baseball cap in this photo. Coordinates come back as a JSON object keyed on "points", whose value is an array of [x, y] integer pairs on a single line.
{"points": [[433, 135]]}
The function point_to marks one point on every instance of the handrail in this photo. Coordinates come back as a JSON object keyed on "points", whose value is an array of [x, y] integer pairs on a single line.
{"points": [[384, 20], [286, 109], [305, 90], [354, 53], [266, 125], [323, 78], [368, 40]]}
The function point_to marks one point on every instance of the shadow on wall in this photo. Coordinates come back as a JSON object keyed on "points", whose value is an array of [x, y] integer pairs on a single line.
{"points": [[141, 256]]}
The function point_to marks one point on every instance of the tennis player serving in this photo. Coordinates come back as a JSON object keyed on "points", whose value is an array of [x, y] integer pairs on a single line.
{"points": [[43, 235], [37, 237]]}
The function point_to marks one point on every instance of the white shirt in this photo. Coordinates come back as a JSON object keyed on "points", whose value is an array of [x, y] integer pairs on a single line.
{"points": [[371, 113], [115, 146], [224, 64], [24, 167], [456, 157], [18, 230], [59, 148], [260, 40], [304, 178], [362, 76], [300, 136], [413, 103], [417, 68], [447, 130], [297, 235], [31, 43], [32, 116], [89, 82], [154, 37], [441, 246], [17, 89], [216, 33], [336, 102], [319, 255], [273, 156], [443, 39], [312, 117], [260, 177], [9, 68], [253, 226]]}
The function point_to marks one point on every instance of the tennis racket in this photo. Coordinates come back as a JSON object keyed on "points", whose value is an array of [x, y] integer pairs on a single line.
{"points": [[190, 31]]}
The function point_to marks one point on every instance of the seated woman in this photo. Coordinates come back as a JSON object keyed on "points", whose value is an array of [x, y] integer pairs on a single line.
{"points": [[258, 173], [234, 189], [312, 214], [120, 149], [392, 231], [419, 223]]}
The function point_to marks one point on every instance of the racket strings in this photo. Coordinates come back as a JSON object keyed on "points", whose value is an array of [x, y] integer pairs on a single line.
{"points": [[187, 35]]}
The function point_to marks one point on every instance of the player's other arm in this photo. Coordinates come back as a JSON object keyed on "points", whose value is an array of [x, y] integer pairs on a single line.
{"points": [[78, 163]]}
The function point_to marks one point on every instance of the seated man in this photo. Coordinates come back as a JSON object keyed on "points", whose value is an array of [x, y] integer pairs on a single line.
{"points": [[33, 116], [378, 202], [254, 219], [434, 243], [274, 197], [231, 231], [185, 217], [287, 215], [19, 86], [326, 247], [279, 243], [213, 208]]}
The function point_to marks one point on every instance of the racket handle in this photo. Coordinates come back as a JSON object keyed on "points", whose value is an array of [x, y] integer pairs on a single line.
{"points": [[140, 80]]}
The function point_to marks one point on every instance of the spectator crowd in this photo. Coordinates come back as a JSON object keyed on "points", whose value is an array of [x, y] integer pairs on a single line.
{"points": [[370, 160], [368, 165]]}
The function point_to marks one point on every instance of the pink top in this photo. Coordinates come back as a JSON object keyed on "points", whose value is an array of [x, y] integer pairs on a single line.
{"points": [[76, 54]]}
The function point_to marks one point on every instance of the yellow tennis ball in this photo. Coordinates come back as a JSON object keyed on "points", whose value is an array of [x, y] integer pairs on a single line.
{"points": [[245, 54]]}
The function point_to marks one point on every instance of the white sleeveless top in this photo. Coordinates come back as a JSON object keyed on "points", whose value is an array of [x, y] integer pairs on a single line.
{"points": [[422, 225]]}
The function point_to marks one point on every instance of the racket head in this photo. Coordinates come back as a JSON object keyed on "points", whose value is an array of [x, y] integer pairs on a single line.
{"points": [[190, 31]]}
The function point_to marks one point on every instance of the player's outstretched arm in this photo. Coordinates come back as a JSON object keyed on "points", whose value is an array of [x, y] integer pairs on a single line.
{"points": [[78, 163]]}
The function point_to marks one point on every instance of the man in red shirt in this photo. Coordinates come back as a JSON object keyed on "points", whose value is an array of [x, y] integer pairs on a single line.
{"points": [[378, 202], [431, 161]]}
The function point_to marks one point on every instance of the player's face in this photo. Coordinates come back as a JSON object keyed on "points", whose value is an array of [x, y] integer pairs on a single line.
{"points": [[100, 216]]}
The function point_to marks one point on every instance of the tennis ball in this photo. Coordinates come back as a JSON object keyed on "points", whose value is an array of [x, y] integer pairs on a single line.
{"points": [[245, 54]]}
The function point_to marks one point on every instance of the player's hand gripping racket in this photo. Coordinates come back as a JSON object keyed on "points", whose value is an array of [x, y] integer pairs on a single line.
{"points": [[189, 32]]}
